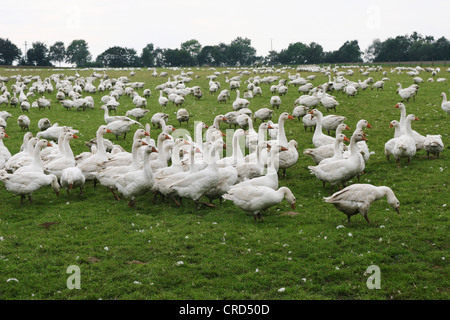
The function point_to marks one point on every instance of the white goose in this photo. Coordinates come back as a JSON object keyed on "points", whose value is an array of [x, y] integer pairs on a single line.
{"points": [[434, 145], [327, 101], [287, 158], [338, 152], [328, 150], [240, 103], [2, 156], [389, 146], [26, 183], [96, 161], [237, 155], [281, 135], [319, 138], [445, 105], [66, 160], [358, 198], [33, 163], [256, 199], [72, 178], [405, 146], [262, 114], [418, 138], [136, 183], [340, 171]]}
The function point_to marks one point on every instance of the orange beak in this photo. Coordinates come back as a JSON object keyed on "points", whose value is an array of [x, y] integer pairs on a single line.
{"points": [[346, 139], [291, 117], [269, 146], [154, 150], [417, 119], [365, 139], [6, 136], [173, 129], [147, 134], [107, 130], [269, 127], [224, 119], [391, 125], [293, 206], [347, 128], [311, 112], [283, 149], [206, 126], [369, 126], [49, 144], [144, 143], [76, 137], [224, 146], [396, 106]]}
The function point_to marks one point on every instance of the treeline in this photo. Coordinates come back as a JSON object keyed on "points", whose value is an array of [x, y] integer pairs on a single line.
{"points": [[239, 52]]}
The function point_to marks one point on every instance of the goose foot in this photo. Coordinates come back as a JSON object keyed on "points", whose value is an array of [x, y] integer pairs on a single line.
{"points": [[132, 204], [115, 195], [175, 200]]}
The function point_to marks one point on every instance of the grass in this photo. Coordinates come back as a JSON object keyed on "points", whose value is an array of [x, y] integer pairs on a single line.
{"points": [[126, 253]]}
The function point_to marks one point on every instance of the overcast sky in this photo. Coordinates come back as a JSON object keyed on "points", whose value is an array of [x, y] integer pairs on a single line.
{"points": [[268, 24]]}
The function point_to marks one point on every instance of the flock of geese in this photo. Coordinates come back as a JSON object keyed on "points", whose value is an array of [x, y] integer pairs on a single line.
{"points": [[178, 167]]}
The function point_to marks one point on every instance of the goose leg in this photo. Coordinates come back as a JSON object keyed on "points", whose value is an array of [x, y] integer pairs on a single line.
{"points": [[21, 199], [30, 200], [115, 195]]}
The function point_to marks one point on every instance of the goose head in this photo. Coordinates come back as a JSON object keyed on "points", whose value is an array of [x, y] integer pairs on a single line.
{"points": [[363, 124], [286, 116], [289, 196]]}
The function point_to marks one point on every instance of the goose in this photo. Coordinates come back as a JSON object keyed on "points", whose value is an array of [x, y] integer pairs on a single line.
{"points": [[25, 106], [433, 144], [299, 112], [389, 146], [350, 90], [319, 138], [112, 103], [162, 158], [124, 158], [34, 162], [182, 116], [26, 183], [275, 102], [327, 101], [309, 101], [236, 156], [287, 158], [3, 159], [44, 103], [210, 129], [445, 105], [328, 150], [66, 160], [240, 103], [231, 118], [309, 121], [340, 171], [405, 93], [136, 183], [95, 162], [405, 146], [24, 122], [137, 113], [331, 122], [109, 119], [257, 199], [418, 138], [44, 124], [121, 127], [363, 148], [358, 198], [338, 149], [270, 179], [262, 114], [71, 178], [281, 134], [251, 169], [196, 184], [53, 133], [105, 176], [157, 117]]}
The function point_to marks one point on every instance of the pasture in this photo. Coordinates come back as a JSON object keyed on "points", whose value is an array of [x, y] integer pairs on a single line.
{"points": [[162, 251]]}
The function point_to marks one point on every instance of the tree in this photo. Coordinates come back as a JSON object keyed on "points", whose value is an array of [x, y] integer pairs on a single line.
{"points": [[118, 57], [57, 52], [373, 50], [78, 53], [350, 52], [178, 58], [442, 49], [9, 52], [313, 53], [294, 54], [210, 56], [193, 47], [240, 52], [148, 56], [38, 54]]}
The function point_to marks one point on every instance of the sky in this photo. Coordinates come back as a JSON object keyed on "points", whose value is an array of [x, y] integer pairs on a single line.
{"points": [[270, 25]]}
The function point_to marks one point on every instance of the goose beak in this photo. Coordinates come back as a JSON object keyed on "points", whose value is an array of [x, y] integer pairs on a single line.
{"points": [[311, 112], [369, 126], [398, 211], [70, 186], [283, 149], [49, 144], [224, 119], [76, 137], [147, 134], [291, 117], [269, 146], [293, 206], [154, 150], [391, 125], [107, 130], [144, 143], [347, 128], [206, 126], [57, 194], [224, 146], [396, 106], [197, 150], [269, 127], [6, 136], [346, 139], [173, 129], [365, 139], [417, 119], [167, 137]]}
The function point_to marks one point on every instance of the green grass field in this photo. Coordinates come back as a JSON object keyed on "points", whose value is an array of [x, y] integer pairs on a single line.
{"points": [[161, 251]]}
